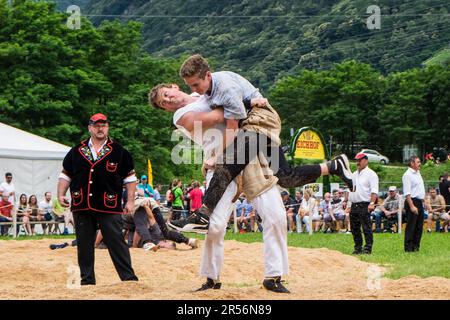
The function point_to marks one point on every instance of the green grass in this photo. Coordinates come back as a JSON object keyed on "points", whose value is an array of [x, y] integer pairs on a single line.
{"points": [[433, 259]]}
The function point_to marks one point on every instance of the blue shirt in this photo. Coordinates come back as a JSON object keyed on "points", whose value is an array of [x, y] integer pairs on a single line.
{"points": [[148, 190], [248, 208]]}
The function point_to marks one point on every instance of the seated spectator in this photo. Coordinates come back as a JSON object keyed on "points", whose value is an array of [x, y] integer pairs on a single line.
{"points": [[6, 208], [33, 209], [308, 208], [46, 211], [326, 210], [157, 193], [337, 204], [245, 214], [289, 205], [436, 210], [195, 196], [388, 210], [143, 185], [23, 214], [63, 214]]}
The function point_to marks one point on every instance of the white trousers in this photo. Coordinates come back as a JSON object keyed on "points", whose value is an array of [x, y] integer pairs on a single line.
{"points": [[270, 208]]}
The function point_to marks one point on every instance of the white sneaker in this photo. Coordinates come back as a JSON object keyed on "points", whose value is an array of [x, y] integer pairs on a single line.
{"points": [[150, 246], [193, 243]]}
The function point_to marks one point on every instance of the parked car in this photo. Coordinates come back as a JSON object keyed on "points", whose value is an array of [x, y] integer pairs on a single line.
{"points": [[375, 156]]}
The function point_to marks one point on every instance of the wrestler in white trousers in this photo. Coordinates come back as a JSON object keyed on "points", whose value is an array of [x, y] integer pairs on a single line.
{"points": [[270, 208]]}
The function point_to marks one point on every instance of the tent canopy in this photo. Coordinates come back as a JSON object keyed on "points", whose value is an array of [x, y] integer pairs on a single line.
{"points": [[35, 162], [19, 144]]}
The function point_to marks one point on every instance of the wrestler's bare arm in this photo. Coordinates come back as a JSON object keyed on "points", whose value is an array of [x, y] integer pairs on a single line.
{"points": [[208, 119]]}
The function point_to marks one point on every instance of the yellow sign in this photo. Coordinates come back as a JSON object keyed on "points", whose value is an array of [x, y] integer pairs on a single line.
{"points": [[309, 146]]}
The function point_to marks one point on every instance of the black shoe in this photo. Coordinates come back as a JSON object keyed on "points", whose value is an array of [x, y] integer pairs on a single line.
{"points": [[274, 284], [340, 167], [58, 246], [209, 284], [197, 222], [367, 251], [357, 251]]}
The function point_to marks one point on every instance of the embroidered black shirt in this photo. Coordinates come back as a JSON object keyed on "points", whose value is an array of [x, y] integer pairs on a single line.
{"points": [[97, 185]]}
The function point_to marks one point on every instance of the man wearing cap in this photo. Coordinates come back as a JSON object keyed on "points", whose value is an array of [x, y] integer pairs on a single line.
{"points": [[414, 191], [389, 209], [148, 190], [363, 203], [95, 170]]}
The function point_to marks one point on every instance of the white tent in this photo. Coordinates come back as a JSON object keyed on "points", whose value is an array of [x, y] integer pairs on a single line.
{"points": [[34, 162]]}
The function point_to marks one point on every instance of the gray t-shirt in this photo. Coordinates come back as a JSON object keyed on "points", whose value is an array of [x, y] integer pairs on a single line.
{"points": [[229, 89]]}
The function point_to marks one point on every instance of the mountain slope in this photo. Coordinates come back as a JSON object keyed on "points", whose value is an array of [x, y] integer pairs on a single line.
{"points": [[267, 39]]}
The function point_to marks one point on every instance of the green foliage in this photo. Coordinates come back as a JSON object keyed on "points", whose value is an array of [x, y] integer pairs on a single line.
{"points": [[53, 78], [266, 39], [360, 108]]}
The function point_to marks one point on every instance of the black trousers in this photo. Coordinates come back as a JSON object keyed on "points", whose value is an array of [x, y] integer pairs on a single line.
{"points": [[141, 221], [414, 226], [244, 149], [111, 227], [360, 216]]}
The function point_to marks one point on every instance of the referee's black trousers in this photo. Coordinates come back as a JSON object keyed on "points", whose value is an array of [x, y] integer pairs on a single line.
{"points": [[360, 216], [414, 226], [111, 226]]}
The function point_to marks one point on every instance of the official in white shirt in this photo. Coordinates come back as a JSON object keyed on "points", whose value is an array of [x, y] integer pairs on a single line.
{"points": [[414, 192], [363, 203]]}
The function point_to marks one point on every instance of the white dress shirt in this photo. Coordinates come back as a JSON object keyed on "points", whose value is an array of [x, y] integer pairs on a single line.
{"points": [[413, 184], [366, 184]]}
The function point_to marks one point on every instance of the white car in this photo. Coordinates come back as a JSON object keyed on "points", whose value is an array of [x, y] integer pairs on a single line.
{"points": [[375, 156]]}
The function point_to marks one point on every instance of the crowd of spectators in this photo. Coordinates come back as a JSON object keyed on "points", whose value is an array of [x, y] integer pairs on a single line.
{"points": [[28, 210], [331, 214]]}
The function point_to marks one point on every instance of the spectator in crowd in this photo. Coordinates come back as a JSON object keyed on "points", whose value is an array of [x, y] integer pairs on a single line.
{"points": [[143, 185], [157, 193], [296, 205], [7, 187], [389, 210], [245, 214], [23, 214], [435, 204], [62, 215], [177, 199], [33, 209], [6, 207], [195, 195], [337, 204], [414, 191], [308, 209], [46, 211], [444, 189], [363, 203], [326, 210], [289, 205]]}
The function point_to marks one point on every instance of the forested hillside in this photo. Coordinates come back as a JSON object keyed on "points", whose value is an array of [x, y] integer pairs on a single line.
{"points": [[267, 39]]}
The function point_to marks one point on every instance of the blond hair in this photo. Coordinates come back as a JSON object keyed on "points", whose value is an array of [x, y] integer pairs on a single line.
{"points": [[194, 65], [154, 93]]}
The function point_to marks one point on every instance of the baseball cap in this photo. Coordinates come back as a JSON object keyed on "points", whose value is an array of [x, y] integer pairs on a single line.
{"points": [[392, 188], [143, 177], [98, 117], [360, 156], [284, 193]]}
